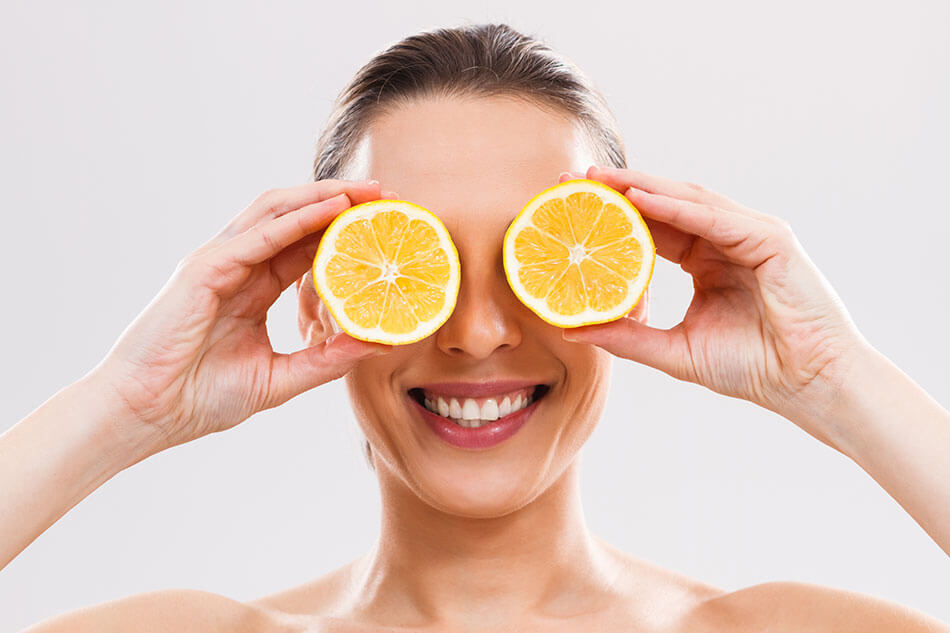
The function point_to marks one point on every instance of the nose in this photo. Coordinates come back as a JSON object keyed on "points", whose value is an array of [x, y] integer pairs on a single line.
{"points": [[485, 316]]}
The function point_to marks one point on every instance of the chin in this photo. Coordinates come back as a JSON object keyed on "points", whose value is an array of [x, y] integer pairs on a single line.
{"points": [[493, 488]]}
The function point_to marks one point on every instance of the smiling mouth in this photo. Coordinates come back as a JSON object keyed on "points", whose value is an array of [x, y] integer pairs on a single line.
{"points": [[477, 412]]}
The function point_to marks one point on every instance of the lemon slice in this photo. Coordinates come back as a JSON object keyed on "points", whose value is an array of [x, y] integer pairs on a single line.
{"points": [[579, 253], [387, 271]]}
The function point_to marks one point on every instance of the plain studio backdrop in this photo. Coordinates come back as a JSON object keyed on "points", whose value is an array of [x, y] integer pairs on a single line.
{"points": [[133, 131]]}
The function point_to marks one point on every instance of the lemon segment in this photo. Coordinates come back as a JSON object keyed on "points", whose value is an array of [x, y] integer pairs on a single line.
{"points": [[387, 271], [579, 253]]}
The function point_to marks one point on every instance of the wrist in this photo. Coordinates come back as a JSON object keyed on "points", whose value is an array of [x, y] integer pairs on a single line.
{"points": [[832, 406], [122, 437]]}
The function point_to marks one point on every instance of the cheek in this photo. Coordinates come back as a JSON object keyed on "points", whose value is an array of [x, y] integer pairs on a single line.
{"points": [[585, 389], [367, 398], [374, 400], [587, 367]]}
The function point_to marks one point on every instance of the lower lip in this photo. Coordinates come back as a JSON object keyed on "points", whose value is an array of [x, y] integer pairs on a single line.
{"points": [[481, 437]]}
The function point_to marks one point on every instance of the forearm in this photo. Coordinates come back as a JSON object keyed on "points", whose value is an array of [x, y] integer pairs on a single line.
{"points": [[899, 435], [56, 456]]}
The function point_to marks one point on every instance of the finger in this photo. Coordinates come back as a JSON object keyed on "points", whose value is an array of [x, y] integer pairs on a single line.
{"points": [[623, 179], [276, 202], [569, 175], [293, 262], [293, 374], [743, 239], [671, 243], [665, 350], [262, 242]]}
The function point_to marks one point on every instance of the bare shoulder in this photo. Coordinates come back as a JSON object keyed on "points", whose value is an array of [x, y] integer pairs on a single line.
{"points": [[180, 610], [650, 596], [320, 596], [802, 607], [670, 601]]}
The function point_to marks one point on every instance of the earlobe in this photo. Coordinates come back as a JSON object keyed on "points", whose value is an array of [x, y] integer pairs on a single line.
{"points": [[313, 320], [641, 311]]}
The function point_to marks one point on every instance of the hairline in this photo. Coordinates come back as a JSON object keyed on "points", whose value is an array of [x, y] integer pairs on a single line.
{"points": [[393, 103]]}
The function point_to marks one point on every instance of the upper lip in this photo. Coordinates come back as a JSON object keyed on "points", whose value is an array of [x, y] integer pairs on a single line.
{"points": [[478, 389]]}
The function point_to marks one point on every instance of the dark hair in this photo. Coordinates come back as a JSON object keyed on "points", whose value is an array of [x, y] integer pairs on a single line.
{"points": [[469, 60]]}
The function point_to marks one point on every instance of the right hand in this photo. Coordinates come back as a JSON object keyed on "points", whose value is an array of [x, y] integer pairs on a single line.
{"points": [[198, 359]]}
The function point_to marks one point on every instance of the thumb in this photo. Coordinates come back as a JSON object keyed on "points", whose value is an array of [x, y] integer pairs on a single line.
{"points": [[665, 350], [292, 374]]}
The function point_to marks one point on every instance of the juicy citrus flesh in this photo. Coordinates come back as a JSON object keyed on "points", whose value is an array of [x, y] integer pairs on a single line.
{"points": [[387, 271], [579, 253]]}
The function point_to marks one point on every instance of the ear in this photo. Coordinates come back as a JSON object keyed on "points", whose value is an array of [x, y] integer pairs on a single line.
{"points": [[313, 319], [641, 311]]}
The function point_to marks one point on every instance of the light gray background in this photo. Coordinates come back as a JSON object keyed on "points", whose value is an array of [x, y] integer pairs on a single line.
{"points": [[133, 131]]}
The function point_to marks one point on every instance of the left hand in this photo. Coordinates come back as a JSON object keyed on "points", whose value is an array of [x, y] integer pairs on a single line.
{"points": [[764, 325]]}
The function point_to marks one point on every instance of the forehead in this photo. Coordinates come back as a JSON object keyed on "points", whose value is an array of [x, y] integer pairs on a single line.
{"points": [[454, 155]]}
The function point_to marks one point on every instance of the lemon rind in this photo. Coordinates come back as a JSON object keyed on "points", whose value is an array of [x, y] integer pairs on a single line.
{"points": [[589, 316], [335, 305]]}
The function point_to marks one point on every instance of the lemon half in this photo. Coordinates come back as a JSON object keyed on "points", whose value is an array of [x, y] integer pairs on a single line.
{"points": [[387, 271], [579, 253]]}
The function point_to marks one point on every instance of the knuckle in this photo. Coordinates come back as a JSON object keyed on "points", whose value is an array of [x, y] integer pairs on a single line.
{"points": [[191, 265], [205, 271], [269, 242], [783, 226], [268, 194], [187, 262], [695, 187], [268, 198]]}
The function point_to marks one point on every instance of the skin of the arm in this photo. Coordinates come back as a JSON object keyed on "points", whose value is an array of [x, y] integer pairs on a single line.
{"points": [[893, 429], [797, 607], [789, 345], [163, 382], [57, 455], [180, 610], [876, 415]]}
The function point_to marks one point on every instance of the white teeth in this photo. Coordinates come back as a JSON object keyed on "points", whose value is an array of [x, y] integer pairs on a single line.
{"points": [[470, 415], [489, 410], [470, 410]]}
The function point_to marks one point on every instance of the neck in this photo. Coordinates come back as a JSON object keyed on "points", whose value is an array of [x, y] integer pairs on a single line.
{"points": [[429, 566]]}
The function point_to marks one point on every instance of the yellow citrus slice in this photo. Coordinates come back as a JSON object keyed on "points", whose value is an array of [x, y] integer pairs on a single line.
{"points": [[387, 271], [579, 253]]}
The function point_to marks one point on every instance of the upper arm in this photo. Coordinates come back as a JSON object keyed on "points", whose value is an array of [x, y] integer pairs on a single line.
{"points": [[798, 606], [161, 611]]}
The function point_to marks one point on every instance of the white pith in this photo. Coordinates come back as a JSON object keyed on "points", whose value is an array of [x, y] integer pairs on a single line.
{"points": [[577, 253], [389, 272]]}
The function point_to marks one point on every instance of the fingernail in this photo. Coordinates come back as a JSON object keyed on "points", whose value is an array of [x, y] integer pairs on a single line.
{"points": [[568, 335], [390, 194], [372, 182]]}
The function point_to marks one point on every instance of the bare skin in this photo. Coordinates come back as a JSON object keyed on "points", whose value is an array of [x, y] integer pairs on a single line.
{"points": [[489, 540]]}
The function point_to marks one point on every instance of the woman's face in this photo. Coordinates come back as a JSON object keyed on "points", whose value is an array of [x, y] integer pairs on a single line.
{"points": [[475, 162]]}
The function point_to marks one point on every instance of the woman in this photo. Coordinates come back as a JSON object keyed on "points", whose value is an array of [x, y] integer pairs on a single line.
{"points": [[470, 123]]}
